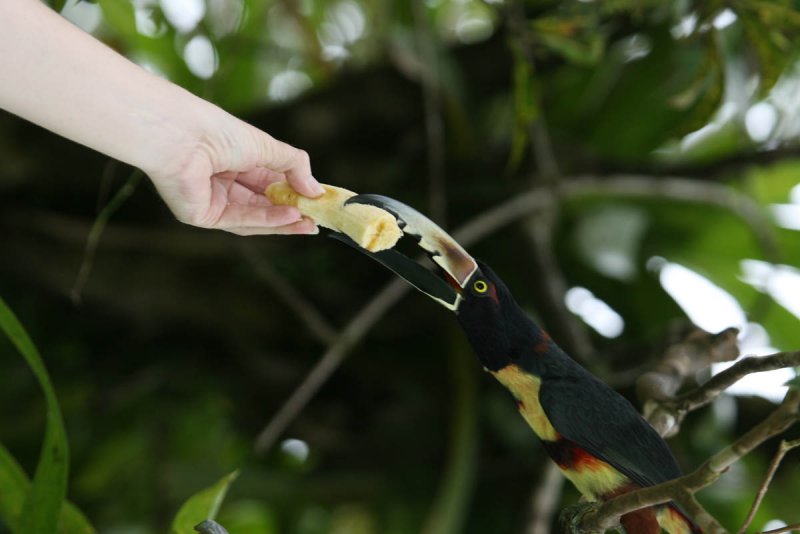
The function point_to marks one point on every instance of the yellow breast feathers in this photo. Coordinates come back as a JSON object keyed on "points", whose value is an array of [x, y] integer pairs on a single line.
{"points": [[525, 388]]}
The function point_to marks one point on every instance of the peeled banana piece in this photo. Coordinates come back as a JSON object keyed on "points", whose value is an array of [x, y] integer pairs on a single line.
{"points": [[371, 227]]}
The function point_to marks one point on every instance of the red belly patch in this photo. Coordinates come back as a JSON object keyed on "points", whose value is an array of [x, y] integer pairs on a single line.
{"points": [[569, 455]]}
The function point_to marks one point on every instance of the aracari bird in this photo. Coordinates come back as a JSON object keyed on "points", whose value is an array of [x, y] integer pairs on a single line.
{"points": [[597, 438]]}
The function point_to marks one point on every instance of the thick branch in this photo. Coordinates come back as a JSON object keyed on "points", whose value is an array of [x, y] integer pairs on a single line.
{"points": [[682, 360]]}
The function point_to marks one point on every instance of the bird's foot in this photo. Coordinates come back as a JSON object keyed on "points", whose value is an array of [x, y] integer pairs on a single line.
{"points": [[571, 518]]}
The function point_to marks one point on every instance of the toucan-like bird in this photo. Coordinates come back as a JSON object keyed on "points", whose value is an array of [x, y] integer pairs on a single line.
{"points": [[596, 437]]}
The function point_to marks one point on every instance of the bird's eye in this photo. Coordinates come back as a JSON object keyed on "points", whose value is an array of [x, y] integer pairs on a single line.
{"points": [[480, 286]]}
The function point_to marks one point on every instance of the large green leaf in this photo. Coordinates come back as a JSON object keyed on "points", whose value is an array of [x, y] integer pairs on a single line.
{"points": [[43, 503], [42, 506], [14, 486], [202, 505]]}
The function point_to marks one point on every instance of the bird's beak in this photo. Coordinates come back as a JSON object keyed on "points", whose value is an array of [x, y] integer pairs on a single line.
{"points": [[456, 265]]}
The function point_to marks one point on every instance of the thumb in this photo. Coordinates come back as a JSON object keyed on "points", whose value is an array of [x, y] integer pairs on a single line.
{"points": [[291, 161]]}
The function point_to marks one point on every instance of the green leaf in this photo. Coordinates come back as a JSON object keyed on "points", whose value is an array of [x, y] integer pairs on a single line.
{"points": [[202, 505], [43, 503], [14, 486], [120, 16]]}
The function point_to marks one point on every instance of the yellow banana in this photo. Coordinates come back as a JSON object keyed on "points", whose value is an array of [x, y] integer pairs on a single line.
{"points": [[372, 228]]}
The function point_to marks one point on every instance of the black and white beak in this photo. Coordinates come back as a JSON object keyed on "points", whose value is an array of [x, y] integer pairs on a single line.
{"points": [[456, 265]]}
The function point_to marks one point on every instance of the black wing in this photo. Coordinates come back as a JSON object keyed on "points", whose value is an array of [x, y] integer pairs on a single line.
{"points": [[599, 420]]}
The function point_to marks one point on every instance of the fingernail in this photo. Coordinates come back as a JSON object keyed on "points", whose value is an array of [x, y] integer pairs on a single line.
{"points": [[316, 187]]}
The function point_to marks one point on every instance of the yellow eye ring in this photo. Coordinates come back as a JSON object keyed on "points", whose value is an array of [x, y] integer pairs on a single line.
{"points": [[480, 286]]}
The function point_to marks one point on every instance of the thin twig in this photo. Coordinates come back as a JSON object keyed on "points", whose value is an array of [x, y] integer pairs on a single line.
{"points": [[316, 323], [93, 239], [720, 382], [355, 330], [783, 448]]}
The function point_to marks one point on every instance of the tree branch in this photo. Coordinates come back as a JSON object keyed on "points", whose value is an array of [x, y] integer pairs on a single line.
{"points": [[783, 448], [696, 352], [720, 382]]}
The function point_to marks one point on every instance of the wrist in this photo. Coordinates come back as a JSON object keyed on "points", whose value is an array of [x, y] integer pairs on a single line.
{"points": [[177, 129]]}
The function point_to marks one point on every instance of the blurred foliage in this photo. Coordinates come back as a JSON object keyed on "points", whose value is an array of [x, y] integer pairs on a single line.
{"points": [[176, 352]]}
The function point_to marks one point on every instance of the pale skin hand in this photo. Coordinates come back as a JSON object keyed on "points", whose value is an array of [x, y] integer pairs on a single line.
{"points": [[209, 167]]}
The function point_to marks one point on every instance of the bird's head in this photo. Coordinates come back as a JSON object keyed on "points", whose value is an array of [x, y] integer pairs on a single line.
{"points": [[498, 329]]}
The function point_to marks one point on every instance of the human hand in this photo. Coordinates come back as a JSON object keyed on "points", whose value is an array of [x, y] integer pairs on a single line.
{"points": [[210, 167], [218, 174]]}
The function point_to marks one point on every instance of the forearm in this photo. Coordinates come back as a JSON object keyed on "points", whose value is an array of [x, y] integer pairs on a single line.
{"points": [[61, 78]]}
